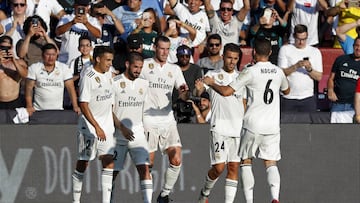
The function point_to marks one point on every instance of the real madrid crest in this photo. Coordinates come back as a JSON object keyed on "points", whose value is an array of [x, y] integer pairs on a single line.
{"points": [[151, 65], [97, 79], [221, 76], [141, 91], [122, 85], [170, 75]]}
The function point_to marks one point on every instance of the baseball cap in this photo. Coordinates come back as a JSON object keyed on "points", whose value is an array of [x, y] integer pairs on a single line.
{"points": [[82, 2], [183, 50], [134, 41], [205, 95]]}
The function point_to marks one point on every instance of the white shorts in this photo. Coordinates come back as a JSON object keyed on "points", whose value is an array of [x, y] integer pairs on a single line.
{"points": [[342, 116], [89, 146], [268, 146], [164, 137], [224, 149], [138, 150]]}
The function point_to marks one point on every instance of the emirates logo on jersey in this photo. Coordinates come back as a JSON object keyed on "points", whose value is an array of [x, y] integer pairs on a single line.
{"points": [[141, 91], [170, 75], [221, 76]]}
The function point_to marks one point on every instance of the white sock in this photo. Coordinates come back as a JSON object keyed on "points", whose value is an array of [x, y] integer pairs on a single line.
{"points": [[106, 184], [230, 190], [171, 176], [248, 182], [273, 178], [146, 190], [77, 179], [208, 186]]}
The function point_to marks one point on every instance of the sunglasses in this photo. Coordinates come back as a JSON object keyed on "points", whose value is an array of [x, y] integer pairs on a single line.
{"points": [[214, 45], [183, 56], [19, 4], [225, 9]]}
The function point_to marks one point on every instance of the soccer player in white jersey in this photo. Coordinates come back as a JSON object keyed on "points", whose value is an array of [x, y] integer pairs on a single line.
{"points": [[96, 124], [159, 122], [130, 95], [226, 122], [261, 126]]}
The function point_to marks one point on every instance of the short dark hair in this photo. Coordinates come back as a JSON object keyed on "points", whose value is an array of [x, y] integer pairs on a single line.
{"points": [[300, 28], [99, 51], [28, 23], [6, 38], [134, 56], [214, 36], [262, 47], [84, 37], [161, 38], [48, 46], [233, 48], [357, 38]]}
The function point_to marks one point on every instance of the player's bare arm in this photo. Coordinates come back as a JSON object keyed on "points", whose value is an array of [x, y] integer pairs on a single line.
{"points": [[84, 106], [223, 90]]}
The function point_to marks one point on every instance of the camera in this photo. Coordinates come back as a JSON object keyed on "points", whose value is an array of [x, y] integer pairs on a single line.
{"points": [[6, 49], [35, 22], [183, 111], [306, 58], [81, 10]]}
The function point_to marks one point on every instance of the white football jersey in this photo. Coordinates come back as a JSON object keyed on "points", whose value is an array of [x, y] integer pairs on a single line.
{"points": [[226, 112], [129, 101], [49, 86], [162, 81], [263, 82], [96, 89]]}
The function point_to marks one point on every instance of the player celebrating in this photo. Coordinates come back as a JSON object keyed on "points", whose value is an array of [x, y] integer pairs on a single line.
{"points": [[226, 122], [159, 122], [130, 95], [261, 126]]}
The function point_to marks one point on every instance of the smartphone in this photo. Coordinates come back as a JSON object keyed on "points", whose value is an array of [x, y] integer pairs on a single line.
{"points": [[267, 14], [6, 49], [306, 58], [81, 10], [35, 22], [172, 24]]}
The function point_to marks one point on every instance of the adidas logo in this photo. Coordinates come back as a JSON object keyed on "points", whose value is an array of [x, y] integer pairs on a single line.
{"points": [[345, 64]]}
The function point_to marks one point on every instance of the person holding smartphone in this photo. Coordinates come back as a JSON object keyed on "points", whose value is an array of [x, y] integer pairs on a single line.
{"points": [[302, 64], [72, 26]]}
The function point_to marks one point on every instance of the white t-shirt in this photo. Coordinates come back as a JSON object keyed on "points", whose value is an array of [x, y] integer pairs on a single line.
{"points": [[129, 101], [162, 80], [127, 18], [306, 12], [70, 39], [198, 20], [174, 44], [302, 85], [229, 32], [263, 82], [17, 34], [44, 9], [49, 87], [226, 112], [96, 89]]}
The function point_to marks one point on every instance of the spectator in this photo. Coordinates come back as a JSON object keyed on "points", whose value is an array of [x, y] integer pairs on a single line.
{"points": [[203, 108], [45, 9], [35, 31], [72, 26], [108, 31], [112, 4], [13, 25], [5, 9], [306, 13], [345, 40], [302, 64], [194, 16], [342, 84], [134, 44], [12, 71], [82, 63], [214, 60], [148, 29], [172, 31], [46, 81], [267, 30], [227, 26]]}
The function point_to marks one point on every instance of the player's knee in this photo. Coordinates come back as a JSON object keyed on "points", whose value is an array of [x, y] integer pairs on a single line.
{"points": [[269, 163], [246, 162], [218, 169], [176, 161]]}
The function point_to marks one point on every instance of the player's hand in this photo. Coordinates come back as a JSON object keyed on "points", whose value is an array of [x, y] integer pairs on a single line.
{"points": [[127, 133], [100, 134], [183, 88], [208, 80]]}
